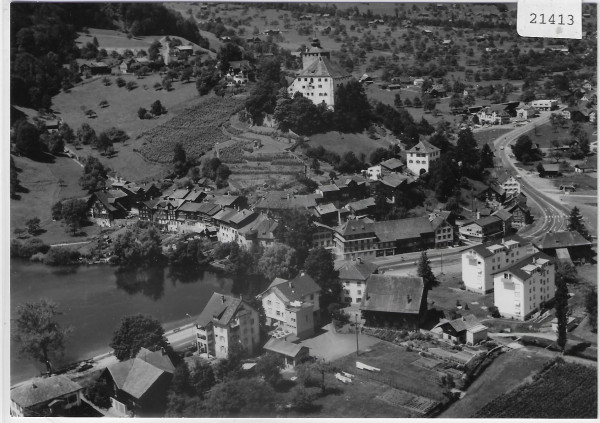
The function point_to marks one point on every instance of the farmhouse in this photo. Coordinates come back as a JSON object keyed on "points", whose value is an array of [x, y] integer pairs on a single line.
{"points": [[108, 205], [523, 288], [139, 385], [292, 307], [54, 395], [550, 170], [480, 262], [224, 322], [394, 301], [95, 68], [319, 78]]}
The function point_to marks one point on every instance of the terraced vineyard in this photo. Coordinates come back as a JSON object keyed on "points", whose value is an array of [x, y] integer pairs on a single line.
{"points": [[565, 390], [198, 129]]}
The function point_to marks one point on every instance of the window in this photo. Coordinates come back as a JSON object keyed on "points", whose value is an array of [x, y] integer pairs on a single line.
{"points": [[320, 86], [312, 296], [358, 300], [278, 313], [359, 292], [269, 302], [348, 299]]}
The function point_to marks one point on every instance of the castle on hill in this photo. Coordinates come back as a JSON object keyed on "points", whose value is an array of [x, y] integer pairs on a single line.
{"points": [[319, 78]]}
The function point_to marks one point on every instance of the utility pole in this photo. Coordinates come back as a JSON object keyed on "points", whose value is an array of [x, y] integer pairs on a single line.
{"points": [[442, 262], [356, 328]]}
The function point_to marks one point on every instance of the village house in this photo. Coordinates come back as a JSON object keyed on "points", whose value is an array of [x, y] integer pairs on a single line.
{"points": [[392, 165], [364, 207], [480, 262], [437, 90], [276, 203], [525, 112], [567, 246], [391, 184], [291, 354], [225, 323], [420, 157], [353, 275], [521, 214], [320, 77], [579, 113], [495, 114], [550, 170], [95, 68], [398, 302], [544, 105], [51, 396], [464, 330], [485, 229], [523, 288], [107, 205], [139, 385], [292, 306]]}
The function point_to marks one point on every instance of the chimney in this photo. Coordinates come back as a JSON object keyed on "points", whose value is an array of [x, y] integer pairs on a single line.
{"points": [[408, 299], [163, 351], [478, 215], [290, 284], [463, 318], [359, 260], [222, 299]]}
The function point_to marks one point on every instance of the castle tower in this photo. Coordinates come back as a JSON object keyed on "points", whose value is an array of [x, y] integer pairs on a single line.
{"points": [[313, 53]]}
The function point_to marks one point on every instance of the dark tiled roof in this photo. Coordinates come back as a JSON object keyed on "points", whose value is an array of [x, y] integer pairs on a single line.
{"points": [[394, 180], [278, 200], [220, 309], [323, 67], [487, 221], [355, 270], [423, 147], [393, 294], [392, 230], [297, 288], [38, 391], [361, 204], [502, 214], [563, 239], [355, 227], [392, 163]]}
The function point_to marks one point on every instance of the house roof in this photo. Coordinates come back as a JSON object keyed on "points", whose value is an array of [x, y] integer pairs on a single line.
{"points": [[423, 147], [393, 294], [41, 390], [355, 269], [177, 194], [220, 308], [224, 215], [487, 221], [278, 200], [361, 204], [224, 200], [392, 230], [523, 268], [355, 227], [280, 346], [503, 214], [138, 375], [392, 164], [323, 67], [438, 218], [394, 180], [548, 167], [468, 322], [562, 239], [295, 289], [484, 249], [326, 208], [328, 188]]}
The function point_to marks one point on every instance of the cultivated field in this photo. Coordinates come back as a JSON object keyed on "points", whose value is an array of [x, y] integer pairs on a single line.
{"points": [[567, 391], [341, 143], [198, 129]]}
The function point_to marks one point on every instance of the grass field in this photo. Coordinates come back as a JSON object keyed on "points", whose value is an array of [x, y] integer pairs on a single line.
{"points": [[545, 134], [567, 391], [487, 136], [585, 182], [42, 181], [341, 143], [506, 372]]}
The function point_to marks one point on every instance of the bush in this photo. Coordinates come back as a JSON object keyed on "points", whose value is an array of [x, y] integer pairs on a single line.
{"points": [[120, 82], [99, 394], [494, 311], [302, 399], [28, 248], [59, 256]]}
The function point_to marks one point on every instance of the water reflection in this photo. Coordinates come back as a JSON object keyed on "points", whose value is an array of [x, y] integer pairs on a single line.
{"points": [[149, 281]]}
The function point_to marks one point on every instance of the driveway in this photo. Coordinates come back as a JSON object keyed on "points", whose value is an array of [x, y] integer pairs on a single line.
{"points": [[330, 346]]}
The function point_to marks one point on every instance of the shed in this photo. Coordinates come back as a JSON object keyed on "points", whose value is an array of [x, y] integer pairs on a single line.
{"points": [[292, 354]]}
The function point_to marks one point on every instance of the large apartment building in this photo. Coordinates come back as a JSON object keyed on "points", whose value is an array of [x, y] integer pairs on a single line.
{"points": [[224, 322], [523, 288], [480, 262]]}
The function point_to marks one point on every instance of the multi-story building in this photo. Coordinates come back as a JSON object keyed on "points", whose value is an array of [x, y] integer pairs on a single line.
{"points": [[486, 228], [480, 262], [319, 78], [420, 157], [227, 321], [292, 307], [544, 104], [523, 288], [353, 275], [495, 114]]}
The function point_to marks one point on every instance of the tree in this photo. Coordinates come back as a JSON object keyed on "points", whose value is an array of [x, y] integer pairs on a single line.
{"points": [[37, 331], [103, 142], [269, 366], [408, 102], [138, 247], [202, 378], [417, 102], [142, 112], [567, 273], [86, 134], [99, 393], [467, 151], [247, 397], [561, 303], [223, 173], [73, 212], [278, 261], [136, 332], [425, 272], [524, 151], [157, 108], [486, 157], [27, 138], [398, 101], [33, 225], [302, 400], [296, 230], [319, 266], [53, 142], [94, 174], [591, 307], [131, 85], [186, 74], [576, 224], [120, 82]]}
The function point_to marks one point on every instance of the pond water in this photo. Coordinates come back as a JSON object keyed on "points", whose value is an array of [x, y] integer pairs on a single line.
{"points": [[93, 299]]}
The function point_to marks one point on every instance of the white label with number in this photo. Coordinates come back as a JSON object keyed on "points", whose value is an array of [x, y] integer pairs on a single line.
{"points": [[549, 18]]}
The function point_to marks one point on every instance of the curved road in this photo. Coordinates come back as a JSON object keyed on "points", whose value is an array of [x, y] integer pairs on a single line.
{"points": [[554, 214]]}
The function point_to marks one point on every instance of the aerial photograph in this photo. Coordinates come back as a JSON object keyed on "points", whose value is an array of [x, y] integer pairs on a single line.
{"points": [[300, 210]]}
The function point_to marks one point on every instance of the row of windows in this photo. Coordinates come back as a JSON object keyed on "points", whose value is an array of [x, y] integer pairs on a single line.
{"points": [[347, 292], [313, 80], [349, 300]]}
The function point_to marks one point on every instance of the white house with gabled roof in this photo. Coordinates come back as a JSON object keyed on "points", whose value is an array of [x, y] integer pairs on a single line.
{"points": [[420, 157]]}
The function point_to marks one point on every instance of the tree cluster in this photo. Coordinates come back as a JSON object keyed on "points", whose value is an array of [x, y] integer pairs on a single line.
{"points": [[139, 246], [72, 212], [94, 175]]}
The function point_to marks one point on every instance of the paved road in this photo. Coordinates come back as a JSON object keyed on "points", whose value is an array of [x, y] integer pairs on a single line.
{"points": [[554, 214]]}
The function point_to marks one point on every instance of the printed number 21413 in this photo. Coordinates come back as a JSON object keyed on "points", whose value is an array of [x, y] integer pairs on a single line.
{"points": [[552, 19]]}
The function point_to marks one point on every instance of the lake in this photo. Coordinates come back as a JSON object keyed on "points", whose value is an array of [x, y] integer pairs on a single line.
{"points": [[93, 299]]}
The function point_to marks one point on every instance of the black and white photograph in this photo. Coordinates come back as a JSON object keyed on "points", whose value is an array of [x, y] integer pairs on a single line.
{"points": [[301, 210]]}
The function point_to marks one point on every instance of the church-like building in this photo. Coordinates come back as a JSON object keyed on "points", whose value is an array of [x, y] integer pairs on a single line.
{"points": [[319, 77]]}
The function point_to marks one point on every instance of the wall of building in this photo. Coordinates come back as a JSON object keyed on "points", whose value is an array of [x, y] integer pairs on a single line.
{"points": [[352, 290]]}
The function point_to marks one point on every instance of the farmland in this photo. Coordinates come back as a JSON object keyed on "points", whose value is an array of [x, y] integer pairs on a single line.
{"points": [[545, 134], [198, 129], [568, 391]]}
